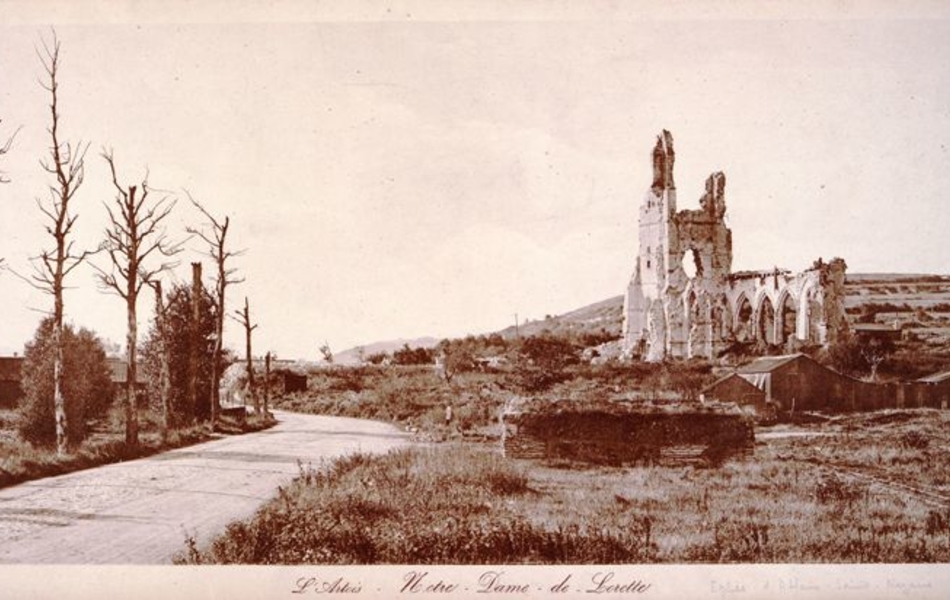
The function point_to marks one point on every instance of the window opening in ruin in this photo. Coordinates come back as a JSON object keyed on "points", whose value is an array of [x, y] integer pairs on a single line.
{"points": [[814, 319], [721, 317], [789, 314], [767, 322], [692, 308], [648, 257], [744, 320], [691, 263]]}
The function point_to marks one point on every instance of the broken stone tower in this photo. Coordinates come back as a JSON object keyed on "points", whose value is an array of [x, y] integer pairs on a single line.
{"points": [[678, 312]]}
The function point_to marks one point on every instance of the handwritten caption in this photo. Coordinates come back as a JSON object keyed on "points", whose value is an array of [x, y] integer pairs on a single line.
{"points": [[492, 582]]}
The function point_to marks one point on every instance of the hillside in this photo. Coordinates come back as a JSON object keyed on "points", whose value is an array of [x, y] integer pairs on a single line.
{"points": [[918, 301], [606, 315], [351, 356]]}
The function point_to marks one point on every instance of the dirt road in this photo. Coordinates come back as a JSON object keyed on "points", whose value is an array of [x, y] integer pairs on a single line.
{"points": [[141, 511]]}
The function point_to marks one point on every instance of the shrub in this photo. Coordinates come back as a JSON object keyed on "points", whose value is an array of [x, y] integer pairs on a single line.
{"points": [[87, 384]]}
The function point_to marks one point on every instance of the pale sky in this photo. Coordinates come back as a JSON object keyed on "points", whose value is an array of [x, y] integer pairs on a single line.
{"points": [[399, 177]]}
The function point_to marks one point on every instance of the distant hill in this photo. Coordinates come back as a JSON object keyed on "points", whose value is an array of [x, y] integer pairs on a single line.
{"points": [[606, 315], [930, 292], [351, 356]]}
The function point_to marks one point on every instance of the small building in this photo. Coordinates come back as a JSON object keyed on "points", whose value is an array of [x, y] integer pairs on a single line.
{"points": [[290, 381], [119, 374], [937, 388], [877, 331], [11, 374], [796, 382], [734, 388]]}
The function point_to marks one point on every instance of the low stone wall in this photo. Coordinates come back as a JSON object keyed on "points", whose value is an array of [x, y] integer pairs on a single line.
{"points": [[614, 438]]}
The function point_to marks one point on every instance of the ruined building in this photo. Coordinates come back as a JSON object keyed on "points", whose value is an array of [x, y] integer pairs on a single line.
{"points": [[670, 314]]}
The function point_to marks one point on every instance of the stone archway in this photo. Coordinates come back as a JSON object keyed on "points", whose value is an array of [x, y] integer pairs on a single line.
{"points": [[786, 327], [721, 318], [743, 320]]}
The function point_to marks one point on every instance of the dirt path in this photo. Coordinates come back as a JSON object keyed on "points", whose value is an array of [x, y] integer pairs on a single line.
{"points": [[141, 511]]}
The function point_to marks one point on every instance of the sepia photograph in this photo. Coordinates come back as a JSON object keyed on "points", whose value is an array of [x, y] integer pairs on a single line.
{"points": [[474, 299]]}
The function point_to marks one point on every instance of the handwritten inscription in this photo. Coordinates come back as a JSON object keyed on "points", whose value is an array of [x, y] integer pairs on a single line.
{"points": [[419, 582], [313, 585], [604, 583], [497, 583], [492, 582]]}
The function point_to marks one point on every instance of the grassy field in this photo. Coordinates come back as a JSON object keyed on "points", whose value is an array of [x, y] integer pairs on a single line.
{"points": [[863, 488], [20, 461]]}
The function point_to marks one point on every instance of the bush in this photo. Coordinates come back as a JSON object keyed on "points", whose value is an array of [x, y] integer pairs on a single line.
{"points": [[178, 324], [87, 384], [542, 362]]}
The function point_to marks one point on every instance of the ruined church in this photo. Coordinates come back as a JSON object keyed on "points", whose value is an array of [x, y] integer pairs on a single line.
{"points": [[670, 313]]}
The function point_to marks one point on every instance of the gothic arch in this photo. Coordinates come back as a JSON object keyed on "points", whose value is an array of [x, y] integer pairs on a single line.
{"points": [[786, 317], [721, 318], [810, 314], [765, 320], [743, 319]]}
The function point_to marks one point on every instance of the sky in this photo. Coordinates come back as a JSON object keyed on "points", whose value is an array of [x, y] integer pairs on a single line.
{"points": [[404, 170]]}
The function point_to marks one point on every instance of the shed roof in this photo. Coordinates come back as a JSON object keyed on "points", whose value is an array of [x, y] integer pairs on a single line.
{"points": [[875, 327], [767, 364], [936, 377], [712, 386]]}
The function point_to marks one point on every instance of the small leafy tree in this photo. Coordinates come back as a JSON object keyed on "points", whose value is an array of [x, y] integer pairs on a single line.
{"points": [[543, 361], [178, 340], [860, 355], [87, 383], [413, 356], [457, 357], [377, 358]]}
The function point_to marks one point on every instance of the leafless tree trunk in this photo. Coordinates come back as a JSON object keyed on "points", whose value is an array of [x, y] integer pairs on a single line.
{"points": [[164, 369], [244, 318], [266, 383], [67, 164], [135, 235], [4, 148], [216, 239]]}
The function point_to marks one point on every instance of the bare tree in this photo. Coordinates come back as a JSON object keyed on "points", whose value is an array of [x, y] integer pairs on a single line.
{"points": [[244, 318], [267, 383], [66, 164], [215, 236], [135, 236], [326, 352], [4, 148]]}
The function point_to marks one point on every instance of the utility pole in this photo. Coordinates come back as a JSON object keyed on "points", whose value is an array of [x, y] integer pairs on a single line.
{"points": [[517, 329]]}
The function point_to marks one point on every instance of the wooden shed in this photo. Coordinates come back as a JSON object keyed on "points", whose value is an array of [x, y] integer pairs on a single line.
{"points": [[937, 388], [11, 389], [734, 388]]}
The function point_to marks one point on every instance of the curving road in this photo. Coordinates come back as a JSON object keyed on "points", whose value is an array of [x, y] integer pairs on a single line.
{"points": [[141, 511]]}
